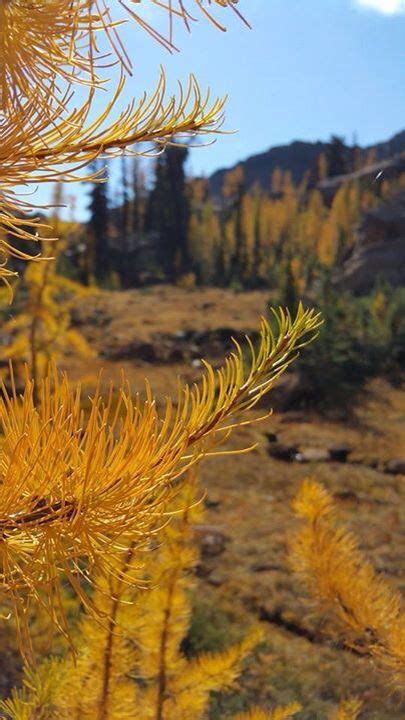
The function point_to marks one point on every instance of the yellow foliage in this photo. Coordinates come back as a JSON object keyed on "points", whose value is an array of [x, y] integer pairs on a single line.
{"points": [[39, 42], [204, 237], [328, 242], [311, 220], [379, 306], [363, 607], [131, 664], [73, 488], [233, 183], [40, 330], [36, 700], [248, 224], [347, 710], [276, 182], [279, 713], [38, 149]]}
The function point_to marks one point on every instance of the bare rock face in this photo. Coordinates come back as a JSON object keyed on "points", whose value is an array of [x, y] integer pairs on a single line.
{"points": [[379, 253], [385, 222], [372, 175], [370, 263], [396, 466]]}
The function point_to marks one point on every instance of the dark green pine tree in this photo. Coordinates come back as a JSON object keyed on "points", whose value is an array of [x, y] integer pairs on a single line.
{"points": [[337, 157], [125, 205], [98, 227], [123, 261], [168, 213], [138, 203]]}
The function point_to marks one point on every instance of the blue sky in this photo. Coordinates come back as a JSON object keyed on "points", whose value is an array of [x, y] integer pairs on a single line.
{"points": [[307, 69]]}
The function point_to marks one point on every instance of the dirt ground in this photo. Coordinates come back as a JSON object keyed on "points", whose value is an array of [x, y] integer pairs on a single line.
{"points": [[249, 501]]}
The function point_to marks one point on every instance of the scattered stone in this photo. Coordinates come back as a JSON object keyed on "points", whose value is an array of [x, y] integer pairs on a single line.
{"points": [[280, 451], [340, 452], [266, 567], [215, 580], [176, 355], [181, 335], [372, 463], [203, 570], [196, 363], [312, 455], [347, 496], [135, 350], [213, 545], [194, 351], [211, 539], [212, 502], [396, 466]]}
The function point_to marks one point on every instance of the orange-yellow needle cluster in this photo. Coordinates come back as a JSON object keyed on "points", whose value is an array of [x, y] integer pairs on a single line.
{"points": [[76, 488], [363, 606]]}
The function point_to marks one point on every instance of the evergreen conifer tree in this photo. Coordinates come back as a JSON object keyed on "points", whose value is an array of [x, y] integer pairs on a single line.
{"points": [[168, 213], [98, 225]]}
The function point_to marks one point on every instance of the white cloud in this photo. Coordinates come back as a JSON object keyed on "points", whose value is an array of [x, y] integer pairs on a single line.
{"points": [[387, 7]]}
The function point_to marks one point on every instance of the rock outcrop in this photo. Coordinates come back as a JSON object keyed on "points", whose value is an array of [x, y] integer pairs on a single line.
{"points": [[379, 253], [372, 175]]}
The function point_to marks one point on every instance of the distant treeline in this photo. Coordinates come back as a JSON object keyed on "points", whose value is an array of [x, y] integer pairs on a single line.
{"points": [[172, 229]]}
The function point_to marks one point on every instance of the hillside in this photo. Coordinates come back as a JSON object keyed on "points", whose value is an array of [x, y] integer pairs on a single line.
{"points": [[298, 157]]}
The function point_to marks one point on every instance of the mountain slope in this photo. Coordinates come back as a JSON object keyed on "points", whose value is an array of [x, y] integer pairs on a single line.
{"points": [[298, 157]]}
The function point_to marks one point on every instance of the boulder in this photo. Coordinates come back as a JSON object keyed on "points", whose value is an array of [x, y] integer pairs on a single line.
{"points": [[282, 451], [380, 261], [134, 350], [396, 466], [212, 540], [267, 567], [202, 570], [309, 455], [379, 251], [347, 496], [175, 355], [215, 579], [340, 452], [384, 222], [212, 502]]}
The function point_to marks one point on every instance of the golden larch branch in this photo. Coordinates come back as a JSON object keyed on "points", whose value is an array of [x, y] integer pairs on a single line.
{"points": [[348, 710], [74, 488], [279, 713], [363, 607]]}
